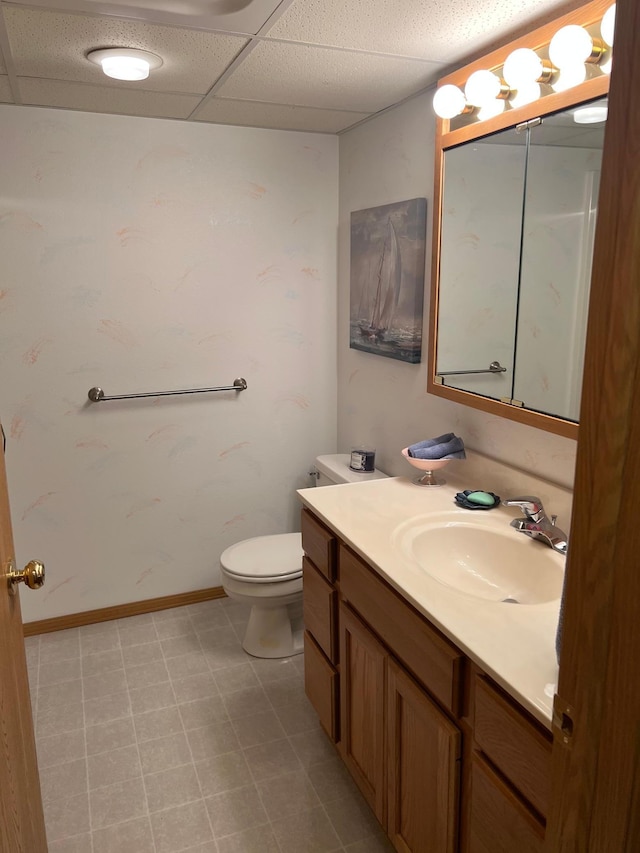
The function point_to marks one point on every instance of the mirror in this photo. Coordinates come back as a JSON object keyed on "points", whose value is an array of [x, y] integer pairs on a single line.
{"points": [[515, 205], [517, 227]]}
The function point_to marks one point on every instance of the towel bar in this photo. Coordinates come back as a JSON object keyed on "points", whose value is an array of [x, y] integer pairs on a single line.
{"points": [[97, 395], [494, 367]]}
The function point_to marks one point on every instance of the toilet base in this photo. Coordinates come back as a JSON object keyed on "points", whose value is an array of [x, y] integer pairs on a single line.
{"points": [[274, 632]]}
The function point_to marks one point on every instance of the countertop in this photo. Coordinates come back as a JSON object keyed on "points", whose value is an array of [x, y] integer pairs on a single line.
{"points": [[514, 644]]}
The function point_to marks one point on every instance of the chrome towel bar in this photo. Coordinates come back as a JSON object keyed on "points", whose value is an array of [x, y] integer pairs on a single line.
{"points": [[97, 395], [494, 367]]}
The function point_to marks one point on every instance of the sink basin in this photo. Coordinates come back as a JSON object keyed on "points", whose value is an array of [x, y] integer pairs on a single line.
{"points": [[485, 559]]}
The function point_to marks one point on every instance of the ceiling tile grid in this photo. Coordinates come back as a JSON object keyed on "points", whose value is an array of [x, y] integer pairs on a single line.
{"points": [[53, 46], [325, 78], [105, 99], [276, 116], [320, 65]]}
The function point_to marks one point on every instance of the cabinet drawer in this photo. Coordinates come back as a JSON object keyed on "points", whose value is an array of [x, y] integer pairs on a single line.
{"points": [[435, 662], [515, 743], [497, 821], [319, 544], [321, 686], [319, 610]]}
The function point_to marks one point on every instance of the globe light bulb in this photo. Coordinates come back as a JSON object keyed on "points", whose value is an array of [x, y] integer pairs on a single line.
{"points": [[608, 25], [572, 45], [570, 76], [482, 88], [448, 101], [491, 109], [521, 67], [525, 94]]}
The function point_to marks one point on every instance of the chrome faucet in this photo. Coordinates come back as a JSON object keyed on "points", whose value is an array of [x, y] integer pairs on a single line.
{"points": [[537, 524]]}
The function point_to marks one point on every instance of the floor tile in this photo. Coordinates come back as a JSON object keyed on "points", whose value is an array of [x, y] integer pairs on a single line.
{"points": [[56, 671], [188, 664], [157, 724], [147, 674], [117, 765], [133, 836], [101, 662], [223, 773], [132, 635], [312, 747], [152, 698], [107, 708], [203, 712], [163, 753], [194, 687], [246, 702], [106, 737], [63, 780], [67, 816], [310, 831], [174, 647], [60, 645], [117, 803], [58, 749], [141, 654], [59, 694], [272, 759], [76, 844], [351, 817], [172, 787], [298, 717], [238, 677], [105, 684], [287, 794], [258, 729], [212, 740], [172, 826], [59, 719], [235, 810], [259, 839]]}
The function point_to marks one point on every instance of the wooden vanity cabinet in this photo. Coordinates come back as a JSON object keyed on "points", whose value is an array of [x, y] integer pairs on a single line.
{"points": [[447, 761]]}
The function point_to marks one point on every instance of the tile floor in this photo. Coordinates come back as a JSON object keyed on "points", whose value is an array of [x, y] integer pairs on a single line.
{"points": [[159, 734]]}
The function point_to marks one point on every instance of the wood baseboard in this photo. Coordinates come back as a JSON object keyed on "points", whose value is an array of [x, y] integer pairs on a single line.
{"points": [[105, 614]]}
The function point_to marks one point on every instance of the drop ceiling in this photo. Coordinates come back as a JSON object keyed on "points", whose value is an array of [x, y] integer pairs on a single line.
{"points": [[315, 65]]}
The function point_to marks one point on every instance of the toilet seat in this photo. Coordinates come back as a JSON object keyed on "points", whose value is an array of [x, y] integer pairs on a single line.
{"points": [[264, 559]]}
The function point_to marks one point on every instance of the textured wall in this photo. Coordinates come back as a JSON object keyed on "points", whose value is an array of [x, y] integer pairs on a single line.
{"points": [[382, 401], [142, 255]]}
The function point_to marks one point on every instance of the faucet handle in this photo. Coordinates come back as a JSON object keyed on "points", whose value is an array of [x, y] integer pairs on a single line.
{"points": [[530, 505]]}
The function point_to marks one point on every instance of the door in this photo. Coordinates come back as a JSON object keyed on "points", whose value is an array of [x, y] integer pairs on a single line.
{"points": [[362, 674], [21, 817], [423, 774]]}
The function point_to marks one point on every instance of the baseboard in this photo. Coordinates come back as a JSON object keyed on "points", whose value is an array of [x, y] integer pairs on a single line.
{"points": [[105, 614]]}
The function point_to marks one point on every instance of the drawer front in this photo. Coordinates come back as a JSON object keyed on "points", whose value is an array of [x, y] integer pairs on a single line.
{"points": [[319, 544], [435, 662], [497, 821], [321, 687], [514, 743], [319, 610]]}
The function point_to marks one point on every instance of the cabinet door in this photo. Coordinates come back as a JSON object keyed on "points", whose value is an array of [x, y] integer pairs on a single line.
{"points": [[362, 676], [498, 821], [423, 771]]}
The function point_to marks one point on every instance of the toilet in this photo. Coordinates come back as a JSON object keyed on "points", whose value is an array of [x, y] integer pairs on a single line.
{"points": [[265, 572]]}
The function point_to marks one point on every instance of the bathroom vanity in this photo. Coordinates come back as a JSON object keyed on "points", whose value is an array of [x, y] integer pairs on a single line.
{"points": [[438, 701]]}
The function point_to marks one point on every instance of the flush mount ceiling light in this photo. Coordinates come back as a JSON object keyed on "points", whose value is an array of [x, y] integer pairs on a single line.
{"points": [[590, 115], [125, 63]]}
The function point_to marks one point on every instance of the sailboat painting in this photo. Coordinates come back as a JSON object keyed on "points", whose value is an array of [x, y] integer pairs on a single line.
{"points": [[387, 279]]}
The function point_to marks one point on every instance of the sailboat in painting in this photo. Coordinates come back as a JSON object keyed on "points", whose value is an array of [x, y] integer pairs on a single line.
{"points": [[387, 279], [387, 290]]}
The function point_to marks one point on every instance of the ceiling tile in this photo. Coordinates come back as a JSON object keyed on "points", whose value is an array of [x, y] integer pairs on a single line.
{"points": [[5, 91], [442, 30], [238, 16], [54, 45], [104, 99], [281, 116], [330, 79]]}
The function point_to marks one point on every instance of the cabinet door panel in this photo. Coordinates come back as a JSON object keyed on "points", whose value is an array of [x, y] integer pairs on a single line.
{"points": [[319, 544], [498, 821], [321, 687], [362, 677], [423, 769]]}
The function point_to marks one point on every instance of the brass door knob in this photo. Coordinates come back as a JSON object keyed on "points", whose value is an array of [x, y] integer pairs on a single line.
{"points": [[32, 575]]}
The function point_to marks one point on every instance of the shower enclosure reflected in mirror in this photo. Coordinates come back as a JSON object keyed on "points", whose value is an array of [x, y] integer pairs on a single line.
{"points": [[517, 228]]}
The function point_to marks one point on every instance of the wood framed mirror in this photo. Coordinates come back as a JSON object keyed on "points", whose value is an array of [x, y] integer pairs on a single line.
{"points": [[515, 204]]}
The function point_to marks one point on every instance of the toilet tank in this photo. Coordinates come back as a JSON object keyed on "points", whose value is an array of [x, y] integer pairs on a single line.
{"points": [[333, 469]]}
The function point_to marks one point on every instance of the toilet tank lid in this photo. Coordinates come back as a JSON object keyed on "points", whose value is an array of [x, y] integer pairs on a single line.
{"points": [[335, 466]]}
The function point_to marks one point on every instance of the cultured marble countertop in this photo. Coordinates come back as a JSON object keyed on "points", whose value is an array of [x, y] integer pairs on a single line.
{"points": [[512, 643]]}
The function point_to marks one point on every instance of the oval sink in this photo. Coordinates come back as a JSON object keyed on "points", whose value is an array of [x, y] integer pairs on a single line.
{"points": [[482, 559]]}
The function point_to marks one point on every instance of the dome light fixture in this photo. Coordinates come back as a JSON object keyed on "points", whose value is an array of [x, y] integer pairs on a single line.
{"points": [[590, 115], [125, 63]]}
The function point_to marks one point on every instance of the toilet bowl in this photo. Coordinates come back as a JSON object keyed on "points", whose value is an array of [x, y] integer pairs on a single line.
{"points": [[265, 572]]}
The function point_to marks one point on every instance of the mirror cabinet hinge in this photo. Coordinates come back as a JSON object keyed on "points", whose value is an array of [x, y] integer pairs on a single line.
{"points": [[511, 402], [525, 125], [562, 722], [438, 380]]}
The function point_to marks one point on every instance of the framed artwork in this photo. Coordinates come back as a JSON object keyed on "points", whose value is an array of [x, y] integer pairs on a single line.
{"points": [[387, 279]]}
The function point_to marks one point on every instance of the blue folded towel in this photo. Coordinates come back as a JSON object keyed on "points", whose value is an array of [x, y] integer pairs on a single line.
{"points": [[447, 446]]}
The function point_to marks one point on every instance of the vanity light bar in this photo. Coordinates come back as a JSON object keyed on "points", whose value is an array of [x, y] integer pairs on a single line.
{"points": [[570, 50]]}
